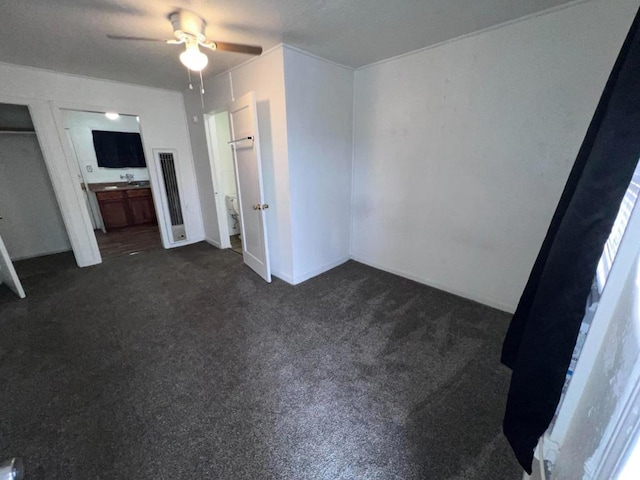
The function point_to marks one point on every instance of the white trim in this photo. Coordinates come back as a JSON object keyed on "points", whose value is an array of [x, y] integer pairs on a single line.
{"points": [[286, 46], [233, 95], [212, 242], [246, 62], [353, 162], [317, 271], [477, 32], [491, 302], [282, 276]]}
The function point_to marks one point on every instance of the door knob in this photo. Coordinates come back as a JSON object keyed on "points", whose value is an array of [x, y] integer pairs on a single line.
{"points": [[264, 206]]}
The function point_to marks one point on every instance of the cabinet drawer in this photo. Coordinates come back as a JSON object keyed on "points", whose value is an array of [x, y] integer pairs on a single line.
{"points": [[114, 195], [141, 192]]}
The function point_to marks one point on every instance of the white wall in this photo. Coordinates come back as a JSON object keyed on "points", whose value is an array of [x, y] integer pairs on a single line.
{"points": [[163, 125], [319, 99], [32, 225], [265, 76], [80, 125], [305, 107], [461, 151]]}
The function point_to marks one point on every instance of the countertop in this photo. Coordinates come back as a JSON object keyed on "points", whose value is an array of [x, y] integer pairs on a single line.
{"points": [[108, 187]]}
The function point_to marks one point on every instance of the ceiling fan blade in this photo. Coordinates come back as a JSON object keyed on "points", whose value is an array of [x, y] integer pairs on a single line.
{"points": [[145, 39], [233, 47]]}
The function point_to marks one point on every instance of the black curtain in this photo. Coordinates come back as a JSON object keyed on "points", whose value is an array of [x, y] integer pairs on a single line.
{"points": [[118, 149], [543, 332]]}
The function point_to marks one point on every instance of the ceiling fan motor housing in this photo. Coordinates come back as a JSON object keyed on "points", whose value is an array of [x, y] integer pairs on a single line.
{"points": [[188, 26]]}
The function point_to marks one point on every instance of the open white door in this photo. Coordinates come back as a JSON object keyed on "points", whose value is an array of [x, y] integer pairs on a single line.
{"points": [[8, 274], [246, 154]]}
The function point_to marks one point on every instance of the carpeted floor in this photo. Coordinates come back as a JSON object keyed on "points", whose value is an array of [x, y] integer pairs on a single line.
{"points": [[184, 364]]}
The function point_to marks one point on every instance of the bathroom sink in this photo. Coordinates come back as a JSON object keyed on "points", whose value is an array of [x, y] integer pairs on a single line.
{"points": [[110, 187]]}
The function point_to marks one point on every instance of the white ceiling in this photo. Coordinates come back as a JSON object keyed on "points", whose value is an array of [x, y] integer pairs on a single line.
{"points": [[70, 35]]}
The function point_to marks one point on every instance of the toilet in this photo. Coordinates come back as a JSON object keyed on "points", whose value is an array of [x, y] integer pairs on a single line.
{"points": [[234, 211]]}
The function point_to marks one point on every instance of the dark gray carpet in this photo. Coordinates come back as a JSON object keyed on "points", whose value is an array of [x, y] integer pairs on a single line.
{"points": [[184, 364]]}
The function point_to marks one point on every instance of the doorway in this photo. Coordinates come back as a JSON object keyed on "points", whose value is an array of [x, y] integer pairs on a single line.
{"points": [[235, 131], [31, 224], [223, 168], [111, 167]]}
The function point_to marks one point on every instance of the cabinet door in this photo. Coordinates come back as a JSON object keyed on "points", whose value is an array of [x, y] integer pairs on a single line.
{"points": [[141, 207], [114, 213], [114, 209]]}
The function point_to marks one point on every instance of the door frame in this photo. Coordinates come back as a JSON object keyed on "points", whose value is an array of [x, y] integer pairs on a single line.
{"points": [[155, 183], [76, 220], [8, 274], [216, 175]]}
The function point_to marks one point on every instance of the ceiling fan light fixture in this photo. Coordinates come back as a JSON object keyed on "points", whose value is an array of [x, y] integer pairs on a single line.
{"points": [[193, 58]]}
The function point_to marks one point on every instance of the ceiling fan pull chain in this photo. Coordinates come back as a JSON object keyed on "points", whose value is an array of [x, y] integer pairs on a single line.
{"points": [[190, 84], [201, 90]]}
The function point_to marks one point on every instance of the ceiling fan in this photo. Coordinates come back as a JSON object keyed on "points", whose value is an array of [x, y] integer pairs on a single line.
{"points": [[188, 28]]}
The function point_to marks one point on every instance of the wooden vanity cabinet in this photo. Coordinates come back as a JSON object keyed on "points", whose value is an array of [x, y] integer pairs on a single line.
{"points": [[113, 207], [126, 207], [141, 207]]}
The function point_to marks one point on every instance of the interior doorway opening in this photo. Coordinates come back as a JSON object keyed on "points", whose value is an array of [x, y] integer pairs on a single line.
{"points": [[31, 224], [112, 170], [225, 181], [234, 133]]}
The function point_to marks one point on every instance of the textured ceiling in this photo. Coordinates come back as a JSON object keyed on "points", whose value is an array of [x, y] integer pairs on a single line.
{"points": [[70, 35]]}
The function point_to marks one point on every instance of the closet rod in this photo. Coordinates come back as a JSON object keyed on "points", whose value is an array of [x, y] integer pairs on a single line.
{"points": [[240, 140], [19, 132]]}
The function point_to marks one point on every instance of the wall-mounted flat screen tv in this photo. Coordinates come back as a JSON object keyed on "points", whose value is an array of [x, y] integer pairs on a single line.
{"points": [[118, 149]]}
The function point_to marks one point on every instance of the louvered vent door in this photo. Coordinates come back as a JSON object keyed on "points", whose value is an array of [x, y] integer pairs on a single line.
{"points": [[167, 163]]}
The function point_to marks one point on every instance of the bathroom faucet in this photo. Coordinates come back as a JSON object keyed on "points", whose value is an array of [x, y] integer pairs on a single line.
{"points": [[128, 176]]}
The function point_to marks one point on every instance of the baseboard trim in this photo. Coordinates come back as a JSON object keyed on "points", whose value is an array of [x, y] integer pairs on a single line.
{"points": [[297, 279], [283, 276], [213, 242], [490, 302], [44, 254]]}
